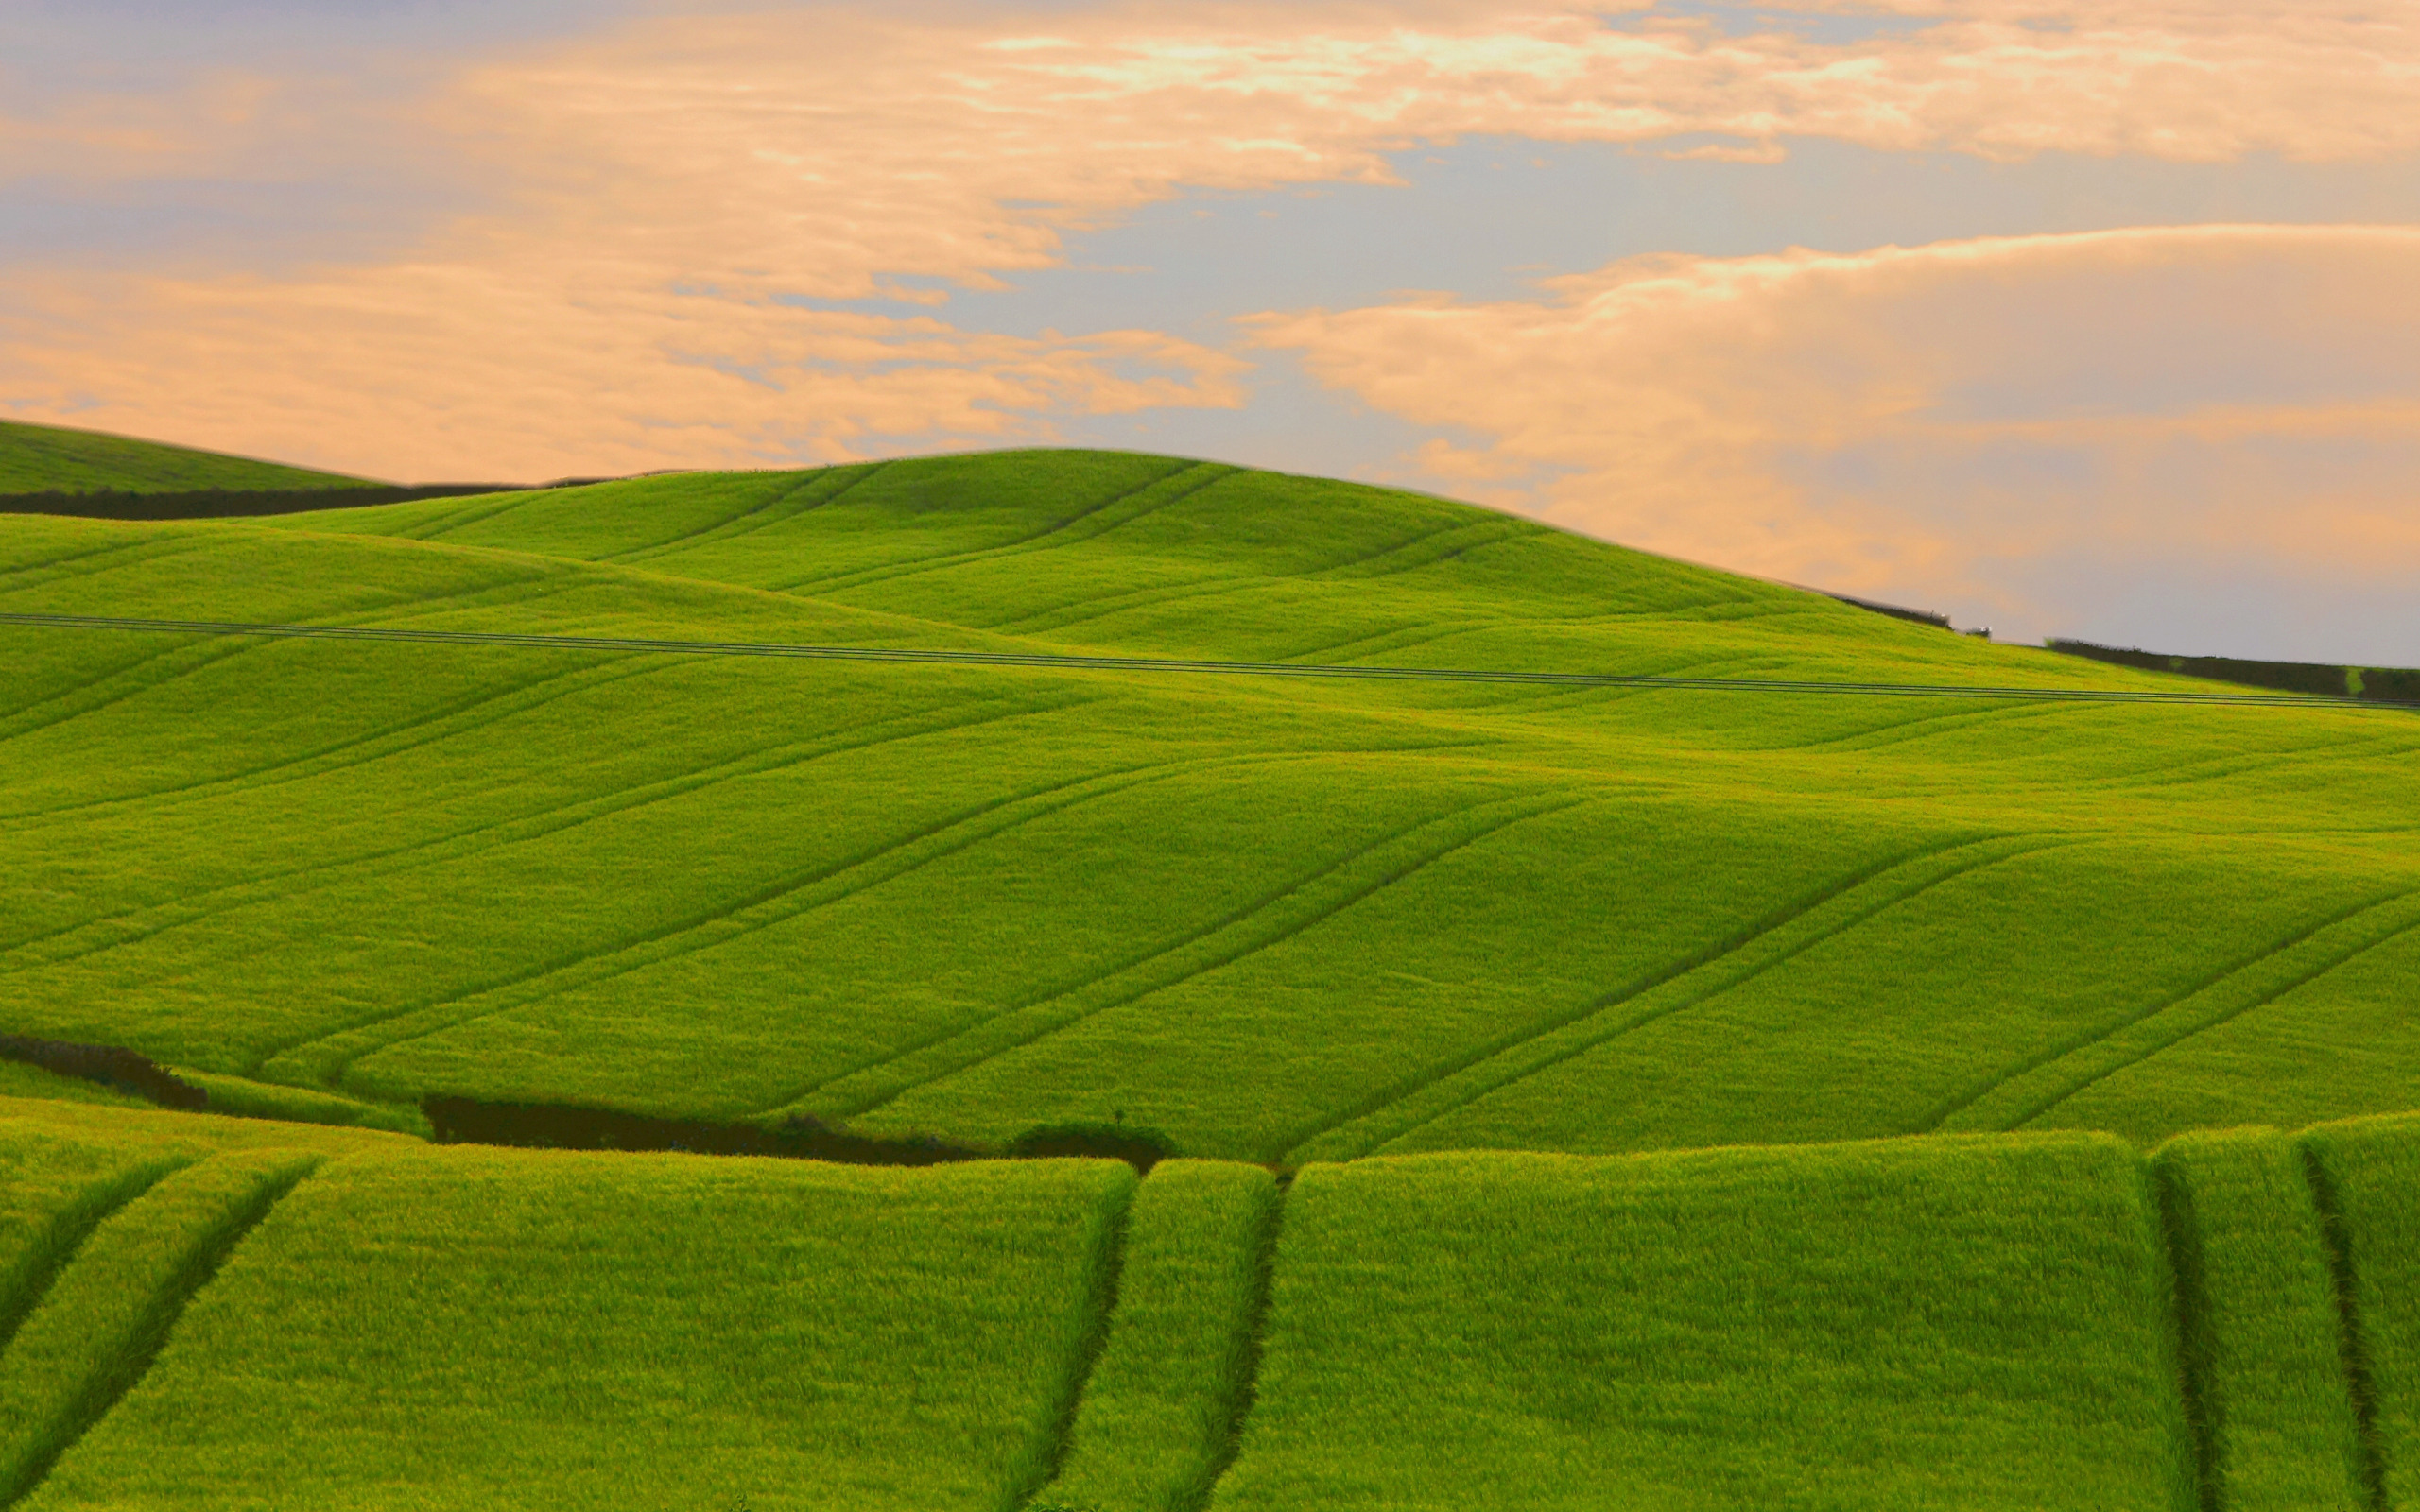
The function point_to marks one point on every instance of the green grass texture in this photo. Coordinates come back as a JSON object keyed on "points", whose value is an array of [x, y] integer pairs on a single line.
{"points": [[1274, 919], [54, 460], [2362, 1173], [1913, 1324], [99, 1323], [466, 1329], [2038, 1321], [1153, 1428], [2262, 1334]]}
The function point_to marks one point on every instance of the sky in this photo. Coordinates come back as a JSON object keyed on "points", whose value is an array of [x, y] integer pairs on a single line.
{"points": [[2097, 319]]}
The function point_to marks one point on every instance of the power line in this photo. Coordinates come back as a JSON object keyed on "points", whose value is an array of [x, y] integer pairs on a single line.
{"points": [[1132, 663]]}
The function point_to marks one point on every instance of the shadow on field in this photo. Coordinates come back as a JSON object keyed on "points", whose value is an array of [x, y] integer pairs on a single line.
{"points": [[557, 1127], [108, 1065]]}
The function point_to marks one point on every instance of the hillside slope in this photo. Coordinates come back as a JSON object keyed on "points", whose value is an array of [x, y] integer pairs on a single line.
{"points": [[54, 460], [2031, 1322], [1273, 919]]}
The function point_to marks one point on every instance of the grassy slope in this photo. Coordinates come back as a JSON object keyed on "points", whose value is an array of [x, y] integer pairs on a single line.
{"points": [[493, 1330], [2366, 1174], [98, 1324], [1153, 1430], [1974, 1323], [48, 459], [2261, 1330], [1271, 918], [1893, 1325]]}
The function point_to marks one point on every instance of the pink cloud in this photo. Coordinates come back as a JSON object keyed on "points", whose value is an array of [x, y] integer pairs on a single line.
{"points": [[1923, 420], [656, 184]]}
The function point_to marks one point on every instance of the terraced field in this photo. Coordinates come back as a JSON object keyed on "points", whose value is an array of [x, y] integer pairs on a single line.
{"points": [[1273, 919], [200, 1318]]}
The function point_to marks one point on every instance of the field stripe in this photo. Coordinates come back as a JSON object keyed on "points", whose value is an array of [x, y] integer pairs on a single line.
{"points": [[322, 1062], [474, 711], [1790, 930], [1129, 664], [280, 887], [1256, 1346], [751, 504], [113, 1307], [2027, 1096], [1085, 524], [804, 496], [2352, 1342], [1986, 1099], [67, 1228], [2191, 1335], [1270, 920], [1104, 1259]]}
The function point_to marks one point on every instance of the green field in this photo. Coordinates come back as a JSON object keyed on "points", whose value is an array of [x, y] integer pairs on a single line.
{"points": [[2030, 1321], [1272, 918], [52, 459], [1589, 1095]]}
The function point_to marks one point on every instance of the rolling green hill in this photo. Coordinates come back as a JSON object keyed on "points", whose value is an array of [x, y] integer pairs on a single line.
{"points": [[2034, 1321], [1272, 918], [53, 459]]}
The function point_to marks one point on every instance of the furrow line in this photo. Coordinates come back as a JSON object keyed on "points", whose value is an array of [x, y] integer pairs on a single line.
{"points": [[1044, 540], [2156, 1040], [1103, 1263], [1345, 885], [1441, 1090], [2352, 1336], [756, 503], [526, 828], [1940, 1115], [323, 1061], [177, 1264]]}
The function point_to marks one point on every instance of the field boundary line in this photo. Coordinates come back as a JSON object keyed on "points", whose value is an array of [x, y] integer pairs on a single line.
{"points": [[2077, 1044], [776, 902], [1007, 1032], [2127, 1059], [817, 587], [1411, 1105], [201, 657], [2352, 1336], [234, 628], [122, 1363]]}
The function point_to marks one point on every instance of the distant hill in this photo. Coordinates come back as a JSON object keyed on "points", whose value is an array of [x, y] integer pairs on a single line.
{"points": [[53, 459], [1267, 917]]}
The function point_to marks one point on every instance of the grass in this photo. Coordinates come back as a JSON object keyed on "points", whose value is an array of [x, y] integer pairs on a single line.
{"points": [[1275, 921], [2262, 1336], [2037, 1321], [2364, 1173], [481, 1328], [1153, 1431], [99, 1323], [49, 458], [1917, 1324]]}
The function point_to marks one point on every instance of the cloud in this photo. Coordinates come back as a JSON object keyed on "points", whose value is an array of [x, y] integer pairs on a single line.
{"points": [[648, 194], [1970, 422]]}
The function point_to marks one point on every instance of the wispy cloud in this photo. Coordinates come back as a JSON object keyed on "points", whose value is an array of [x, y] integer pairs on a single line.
{"points": [[648, 192]]}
